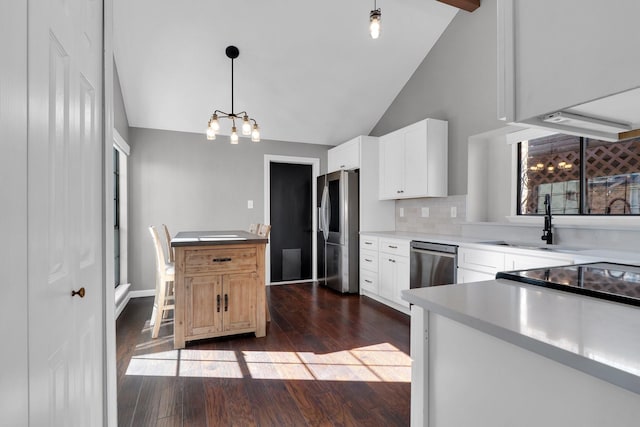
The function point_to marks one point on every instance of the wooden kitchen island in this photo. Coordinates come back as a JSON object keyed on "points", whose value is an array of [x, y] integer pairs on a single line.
{"points": [[219, 284]]}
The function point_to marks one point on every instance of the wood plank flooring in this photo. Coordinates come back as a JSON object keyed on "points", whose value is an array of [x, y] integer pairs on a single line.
{"points": [[327, 360]]}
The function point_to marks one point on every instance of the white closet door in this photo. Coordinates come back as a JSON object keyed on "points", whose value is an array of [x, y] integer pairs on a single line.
{"points": [[64, 213]]}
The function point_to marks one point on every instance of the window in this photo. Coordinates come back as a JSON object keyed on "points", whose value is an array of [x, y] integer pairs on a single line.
{"points": [[583, 176], [116, 215]]}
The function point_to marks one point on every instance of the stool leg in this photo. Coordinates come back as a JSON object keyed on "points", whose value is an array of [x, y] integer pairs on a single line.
{"points": [[160, 309]]}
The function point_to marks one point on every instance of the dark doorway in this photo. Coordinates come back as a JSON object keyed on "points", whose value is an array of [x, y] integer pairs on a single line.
{"points": [[291, 222]]}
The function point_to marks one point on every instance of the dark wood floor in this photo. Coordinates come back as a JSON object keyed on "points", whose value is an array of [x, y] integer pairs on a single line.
{"points": [[327, 359]]}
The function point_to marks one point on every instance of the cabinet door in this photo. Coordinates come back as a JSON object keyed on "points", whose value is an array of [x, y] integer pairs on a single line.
{"points": [[239, 297], [344, 156], [204, 305], [391, 166], [387, 283], [468, 276], [522, 262], [416, 164]]}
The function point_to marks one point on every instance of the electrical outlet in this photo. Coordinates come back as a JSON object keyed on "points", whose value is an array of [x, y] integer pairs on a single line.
{"points": [[425, 212], [454, 211], [401, 212], [249, 204]]}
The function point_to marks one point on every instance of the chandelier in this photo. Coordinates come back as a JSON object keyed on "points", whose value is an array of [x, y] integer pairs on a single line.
{"points": [[374, 21], [249, 125]]}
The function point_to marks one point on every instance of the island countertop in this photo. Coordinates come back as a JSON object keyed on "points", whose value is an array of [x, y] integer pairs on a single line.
{"points": [[598, 337], [208, 238]]}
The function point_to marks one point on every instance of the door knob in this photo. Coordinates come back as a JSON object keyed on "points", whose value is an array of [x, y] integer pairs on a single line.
{"points": [[79, 292]]}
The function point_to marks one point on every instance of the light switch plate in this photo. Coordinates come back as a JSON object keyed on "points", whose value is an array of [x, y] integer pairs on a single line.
{"points": [[454, 211], [401, 212], [425, 212], [250, 204]]}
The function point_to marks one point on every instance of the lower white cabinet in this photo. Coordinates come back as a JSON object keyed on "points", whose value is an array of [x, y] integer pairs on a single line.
{"points": [[468, 276], [384, 270], [478, 263]]}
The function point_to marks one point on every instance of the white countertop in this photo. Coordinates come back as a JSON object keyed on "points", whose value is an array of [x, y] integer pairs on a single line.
{"points": [[580, 255], [598, 337]]}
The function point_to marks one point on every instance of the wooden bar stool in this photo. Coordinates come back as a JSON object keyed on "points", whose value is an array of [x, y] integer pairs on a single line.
{"points": [[165, 273], [170, 252]]}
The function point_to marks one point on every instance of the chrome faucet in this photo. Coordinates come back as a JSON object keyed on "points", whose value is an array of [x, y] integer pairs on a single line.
{"points": [[547, 235]]}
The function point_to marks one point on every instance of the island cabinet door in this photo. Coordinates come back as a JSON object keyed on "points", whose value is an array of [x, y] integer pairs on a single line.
{"points": [[204, 305], [239, 301]]}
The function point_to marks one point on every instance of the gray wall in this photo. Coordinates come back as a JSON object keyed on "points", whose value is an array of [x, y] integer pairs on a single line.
{"points": [[457, 82], [183, 180], [120, 121]]}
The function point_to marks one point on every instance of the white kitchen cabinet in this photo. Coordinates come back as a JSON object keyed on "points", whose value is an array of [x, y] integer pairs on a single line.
{"points": [[393, 262], [487, 260], [480, 263], [362, 153], [413, 161], [394, 278], [580, 55], [384, 270], [468, 276], [523, 262], [345, 156]]}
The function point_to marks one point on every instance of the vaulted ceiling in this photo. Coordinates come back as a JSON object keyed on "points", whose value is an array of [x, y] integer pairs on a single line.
{"points": [[307, 71]]}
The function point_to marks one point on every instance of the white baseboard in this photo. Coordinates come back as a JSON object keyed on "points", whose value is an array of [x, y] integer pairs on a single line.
{"points": [[122, 296], [143, 293]]}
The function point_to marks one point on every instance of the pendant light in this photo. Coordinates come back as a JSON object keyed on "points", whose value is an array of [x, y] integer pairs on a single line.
{"points": [[374, 21], [249, 126]]}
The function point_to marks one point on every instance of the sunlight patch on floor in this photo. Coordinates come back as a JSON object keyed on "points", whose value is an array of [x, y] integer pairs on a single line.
{"points": [[375, 363]]}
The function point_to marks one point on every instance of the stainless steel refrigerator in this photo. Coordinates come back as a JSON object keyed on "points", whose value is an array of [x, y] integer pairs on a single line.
{"points": [[338, 226]]}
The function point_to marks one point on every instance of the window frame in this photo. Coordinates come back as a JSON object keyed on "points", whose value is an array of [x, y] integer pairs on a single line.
{"points": [[582, 181]]}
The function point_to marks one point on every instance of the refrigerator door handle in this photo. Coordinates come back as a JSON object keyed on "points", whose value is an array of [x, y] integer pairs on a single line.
{"points": [[324, 207]]}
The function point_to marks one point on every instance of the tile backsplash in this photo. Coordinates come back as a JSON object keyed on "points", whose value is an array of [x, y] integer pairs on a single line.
{"points": [[431, 215]]}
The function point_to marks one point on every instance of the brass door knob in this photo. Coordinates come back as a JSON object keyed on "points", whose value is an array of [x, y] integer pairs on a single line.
{"points": [[79, 292]]}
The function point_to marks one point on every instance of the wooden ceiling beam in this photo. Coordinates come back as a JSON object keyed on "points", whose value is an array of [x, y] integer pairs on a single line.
{"points": [[468, 5]]}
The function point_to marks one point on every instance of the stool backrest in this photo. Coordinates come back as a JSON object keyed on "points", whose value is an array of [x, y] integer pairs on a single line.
{"points": [[264, 230], [159, 252], [170, 253]]}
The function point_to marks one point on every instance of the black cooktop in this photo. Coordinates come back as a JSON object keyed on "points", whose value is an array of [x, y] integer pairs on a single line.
{"points": [[615, 282]]}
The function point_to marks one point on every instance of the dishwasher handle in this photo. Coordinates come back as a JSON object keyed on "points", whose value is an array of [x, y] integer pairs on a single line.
{"points": [[434, 247]]}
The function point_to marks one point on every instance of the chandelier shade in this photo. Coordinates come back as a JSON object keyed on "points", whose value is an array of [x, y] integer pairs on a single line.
{"points": [[248, 127]]}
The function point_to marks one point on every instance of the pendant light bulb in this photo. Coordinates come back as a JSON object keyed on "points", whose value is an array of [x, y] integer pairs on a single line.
{"points": [[214, 123], [246, 126], [374, 23], [234, 135], [211, 134], [255, 133]]}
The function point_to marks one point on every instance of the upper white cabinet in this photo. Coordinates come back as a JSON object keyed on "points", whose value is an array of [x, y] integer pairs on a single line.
{"points": [[569, 56], [362, 153], [344, 156], [413, 161]]}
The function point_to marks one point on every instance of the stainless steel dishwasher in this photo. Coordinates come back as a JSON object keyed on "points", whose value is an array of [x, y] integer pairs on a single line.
{"points": [[432, 264]]}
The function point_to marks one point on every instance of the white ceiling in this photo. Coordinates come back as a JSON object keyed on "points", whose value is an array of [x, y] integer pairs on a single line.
{"points": [[307, 71]]}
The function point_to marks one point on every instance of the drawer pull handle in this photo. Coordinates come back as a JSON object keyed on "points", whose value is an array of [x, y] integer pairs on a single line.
{"points": [[368, 260], [221, 260], [368, 243], [218, 303], [392, 260], [393, 247], [226, 302], [368, 281]]}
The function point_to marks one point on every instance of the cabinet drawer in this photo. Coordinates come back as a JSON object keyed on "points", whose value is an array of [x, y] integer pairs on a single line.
{"points": [[369, 260], [368, 281], [394, 247], [369, 242], [220, 260], [485, 261]]}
